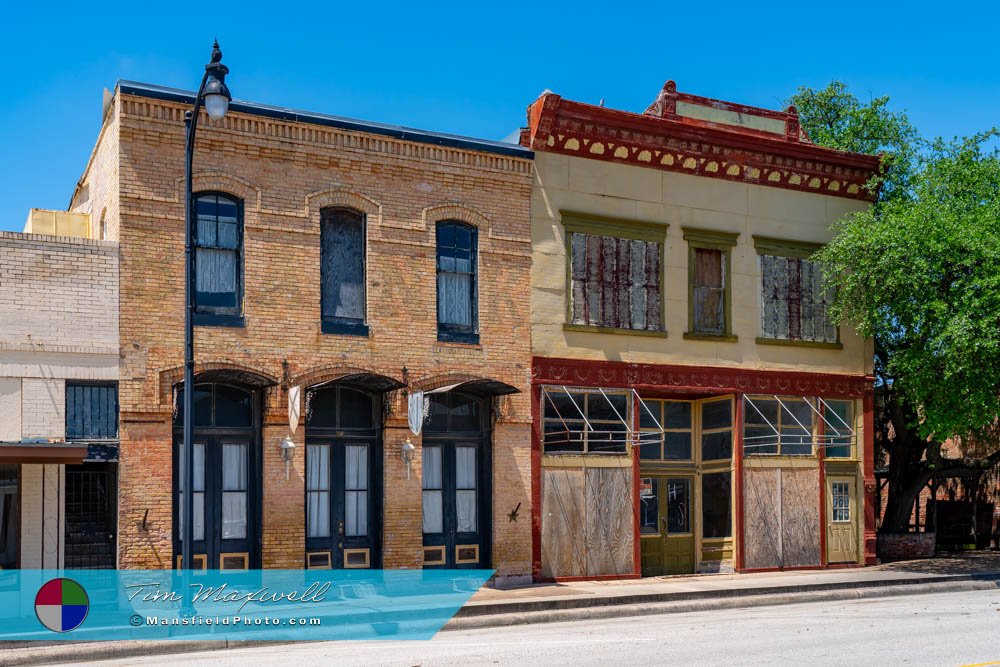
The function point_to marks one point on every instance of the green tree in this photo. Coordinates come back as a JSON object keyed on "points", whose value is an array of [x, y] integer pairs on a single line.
{"points": [[920, 273]]}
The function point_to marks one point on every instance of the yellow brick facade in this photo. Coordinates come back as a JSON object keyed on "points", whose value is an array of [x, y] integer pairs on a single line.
{"points": [[285, 172]]}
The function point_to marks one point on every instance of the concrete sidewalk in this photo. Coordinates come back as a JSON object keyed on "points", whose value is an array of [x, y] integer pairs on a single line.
{"points": [[595, 599], [589, 600]]}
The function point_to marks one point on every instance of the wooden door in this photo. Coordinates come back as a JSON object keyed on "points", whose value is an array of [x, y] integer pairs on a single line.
{"points": [[842, 520], [667, 545]]}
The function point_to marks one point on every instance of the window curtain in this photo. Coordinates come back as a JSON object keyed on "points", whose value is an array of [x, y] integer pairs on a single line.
{"points": [[234, 490], [199, 491], [433, 521], [356, 490], [217, 252], [318, 490], [465, 485]]}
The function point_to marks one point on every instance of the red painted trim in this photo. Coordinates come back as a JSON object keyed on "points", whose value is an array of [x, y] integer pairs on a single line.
{"points": [[821, 455], [869, 476], [704, 379], [567, 127], [598, 577], [636, 529], [536, 482], [740, 500]]}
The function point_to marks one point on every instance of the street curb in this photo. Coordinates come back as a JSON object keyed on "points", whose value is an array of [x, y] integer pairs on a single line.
{"points": [[614, 610], [505, 614]]}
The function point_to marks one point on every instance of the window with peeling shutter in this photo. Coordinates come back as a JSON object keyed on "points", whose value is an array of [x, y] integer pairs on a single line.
{"points": [[794, 301], [709, 290], [615, 282]]}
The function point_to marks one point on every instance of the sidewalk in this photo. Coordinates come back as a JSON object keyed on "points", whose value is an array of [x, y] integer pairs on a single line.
{"points": [[592, 599], [595, 599]]}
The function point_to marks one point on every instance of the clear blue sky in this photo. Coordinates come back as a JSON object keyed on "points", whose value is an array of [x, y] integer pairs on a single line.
{"points": [[472, 68]]}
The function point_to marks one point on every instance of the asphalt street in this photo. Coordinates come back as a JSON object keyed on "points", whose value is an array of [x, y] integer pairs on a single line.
{"points": [[939, 629]]}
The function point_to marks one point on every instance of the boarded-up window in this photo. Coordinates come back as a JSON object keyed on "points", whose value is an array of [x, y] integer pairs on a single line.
{"points": [[709, 290], [794, 300], [615, 282], [342, 271]]}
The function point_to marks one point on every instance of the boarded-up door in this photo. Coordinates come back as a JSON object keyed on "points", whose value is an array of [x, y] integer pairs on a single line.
{"points": [[781, 510], [842, 528], [587, 525]]}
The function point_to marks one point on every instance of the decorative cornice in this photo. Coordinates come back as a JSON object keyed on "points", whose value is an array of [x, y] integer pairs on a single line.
{"points": [[573, 128], [659, 377]]}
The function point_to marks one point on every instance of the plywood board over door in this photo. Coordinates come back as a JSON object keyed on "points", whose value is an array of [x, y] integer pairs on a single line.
{"points": [[781, 524], [587, 521]]}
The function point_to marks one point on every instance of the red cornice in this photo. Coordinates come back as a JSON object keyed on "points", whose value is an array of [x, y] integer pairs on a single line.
{"points": [[705, 149], [661, 377]]}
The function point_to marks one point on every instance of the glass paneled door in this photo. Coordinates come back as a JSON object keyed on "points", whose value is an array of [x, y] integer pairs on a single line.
{"points": [[456, 481], [667, 539], [227, 479], [343, 478]]}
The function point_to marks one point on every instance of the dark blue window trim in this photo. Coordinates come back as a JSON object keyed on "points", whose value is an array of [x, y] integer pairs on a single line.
{"points": [[330, 324], [91, 410], [224, 310], [344, 328], [451, 250]]}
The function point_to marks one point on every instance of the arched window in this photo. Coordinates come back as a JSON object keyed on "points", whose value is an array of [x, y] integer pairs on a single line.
{"points": [[457, 307], [218, 406], [218, 265], [342, 271]]}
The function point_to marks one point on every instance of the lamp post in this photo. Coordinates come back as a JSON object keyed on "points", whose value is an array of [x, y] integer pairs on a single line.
{"points": [[215, 97]]}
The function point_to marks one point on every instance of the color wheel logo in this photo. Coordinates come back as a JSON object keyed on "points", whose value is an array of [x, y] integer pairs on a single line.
{"points": [[61, 605]]}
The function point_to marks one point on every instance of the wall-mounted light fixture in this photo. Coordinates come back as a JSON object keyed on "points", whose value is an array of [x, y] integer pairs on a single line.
{"points": [[406, 454], [287, 452]]}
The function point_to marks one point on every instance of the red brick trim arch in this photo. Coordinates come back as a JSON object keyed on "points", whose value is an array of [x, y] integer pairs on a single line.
{"points": [[170, 377]]}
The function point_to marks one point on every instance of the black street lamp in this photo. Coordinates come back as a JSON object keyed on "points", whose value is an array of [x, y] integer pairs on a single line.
{"points": [[214, 95]]}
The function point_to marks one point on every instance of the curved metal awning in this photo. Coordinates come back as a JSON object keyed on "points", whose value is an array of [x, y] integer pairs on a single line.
{"points": [[371, 381], [480, 387]]}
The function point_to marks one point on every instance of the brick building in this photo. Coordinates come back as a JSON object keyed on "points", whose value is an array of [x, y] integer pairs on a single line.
{"points": [[694, 407], [344, 271], [58, 377]]}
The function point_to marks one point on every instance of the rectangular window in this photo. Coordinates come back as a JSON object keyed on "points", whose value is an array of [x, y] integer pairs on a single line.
{"points": [[717, 430], [356, 490], [615, 282], [342, 271], [433, 490], [466, 512], [794, 300], [8, 516], [218, 265], [838, 423], [457, 305], [318, 491], [567, 415], [841, 502], [709, 282], [784, 425], [91, 411], [716, 502], [674, 444], [649, 505]]}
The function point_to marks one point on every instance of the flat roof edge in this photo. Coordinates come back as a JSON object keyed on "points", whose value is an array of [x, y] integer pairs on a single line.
{"points": [[340, 122]]}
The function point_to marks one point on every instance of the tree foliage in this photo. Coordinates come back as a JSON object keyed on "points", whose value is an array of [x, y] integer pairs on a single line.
{"points": [[920, 273]]}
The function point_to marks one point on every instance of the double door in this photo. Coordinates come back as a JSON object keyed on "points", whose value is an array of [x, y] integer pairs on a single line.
{"points": [[456, 507], [226, 498], [666, 534], [343, 492]]}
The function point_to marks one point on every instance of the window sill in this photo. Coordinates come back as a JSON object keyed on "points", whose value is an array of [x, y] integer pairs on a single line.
{"points": [[589, 328], [818, 344], [718, 338], [460, 338], [218, 320], [345, 329]]}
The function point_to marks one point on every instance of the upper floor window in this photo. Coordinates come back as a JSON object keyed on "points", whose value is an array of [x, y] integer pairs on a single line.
{"points": [[615, 275], [795, 301], [457, 307], [218, 266], [342, 271], [709, 283], [91, 411]]}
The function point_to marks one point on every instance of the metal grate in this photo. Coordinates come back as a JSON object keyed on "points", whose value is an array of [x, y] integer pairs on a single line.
{"points": [[91, 492]]}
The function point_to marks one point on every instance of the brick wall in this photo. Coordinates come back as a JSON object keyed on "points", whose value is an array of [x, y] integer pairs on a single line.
{"points": [[285, 173], [903, 546]]}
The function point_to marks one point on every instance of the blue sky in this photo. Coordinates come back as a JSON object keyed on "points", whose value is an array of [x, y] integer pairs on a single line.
{"points": [[472, 68]]}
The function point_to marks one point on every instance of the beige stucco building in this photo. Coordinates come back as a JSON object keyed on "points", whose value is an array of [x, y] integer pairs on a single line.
{"points": [[694, 405]]}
